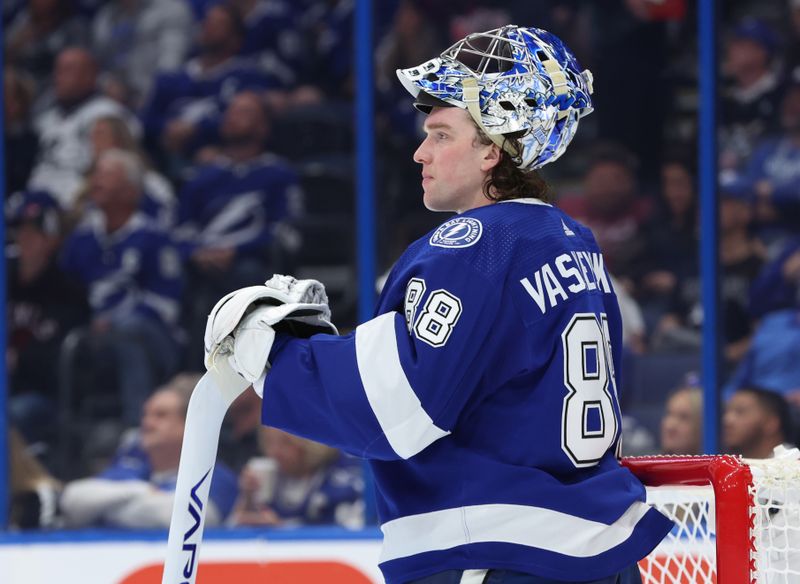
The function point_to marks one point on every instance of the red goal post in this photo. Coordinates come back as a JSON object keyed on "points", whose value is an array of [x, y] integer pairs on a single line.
{"points": [[737, 521]]}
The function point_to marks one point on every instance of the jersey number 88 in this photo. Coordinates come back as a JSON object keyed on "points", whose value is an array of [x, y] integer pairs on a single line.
{"points": [[588, 416]]}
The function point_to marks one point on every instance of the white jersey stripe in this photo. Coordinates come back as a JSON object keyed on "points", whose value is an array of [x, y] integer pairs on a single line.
{"points": [[517, 524], [406, 425]]}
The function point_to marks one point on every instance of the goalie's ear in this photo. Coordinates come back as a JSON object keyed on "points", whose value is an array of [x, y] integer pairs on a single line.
{"points": [[491, 158]]}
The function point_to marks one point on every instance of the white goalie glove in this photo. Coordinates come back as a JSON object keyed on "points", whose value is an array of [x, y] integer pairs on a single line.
{"points": [[241, 326]]}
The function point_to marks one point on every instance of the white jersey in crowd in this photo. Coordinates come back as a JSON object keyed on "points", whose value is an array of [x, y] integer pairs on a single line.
{"points": [[65, 151]]}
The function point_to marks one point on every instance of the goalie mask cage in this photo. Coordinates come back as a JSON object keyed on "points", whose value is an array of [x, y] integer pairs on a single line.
{"points": [[737, 521]]}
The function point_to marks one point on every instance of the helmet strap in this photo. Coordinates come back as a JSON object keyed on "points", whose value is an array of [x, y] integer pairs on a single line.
{"points": [[472, 97]]}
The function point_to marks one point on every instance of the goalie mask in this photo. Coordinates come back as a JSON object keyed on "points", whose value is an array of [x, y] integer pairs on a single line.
{"points": [[512, 80]]}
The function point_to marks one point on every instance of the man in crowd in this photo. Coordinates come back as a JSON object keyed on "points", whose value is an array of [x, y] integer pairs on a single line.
{"points": [[64, 149], [137, 489], [183, 110], [134, 277], [233, 216], [755, 422]]}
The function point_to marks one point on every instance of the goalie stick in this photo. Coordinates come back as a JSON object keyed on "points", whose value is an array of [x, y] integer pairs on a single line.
{"points": [[210, 400]]}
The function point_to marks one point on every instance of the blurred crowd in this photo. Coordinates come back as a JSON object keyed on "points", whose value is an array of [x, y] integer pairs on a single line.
{"points": [[161, 153]]}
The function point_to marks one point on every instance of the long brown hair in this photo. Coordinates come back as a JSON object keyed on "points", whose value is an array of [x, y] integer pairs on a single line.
{"points": [[507, 181]]}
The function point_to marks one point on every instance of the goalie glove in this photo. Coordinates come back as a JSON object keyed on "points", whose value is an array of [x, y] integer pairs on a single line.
{"points": [[298, 307]]}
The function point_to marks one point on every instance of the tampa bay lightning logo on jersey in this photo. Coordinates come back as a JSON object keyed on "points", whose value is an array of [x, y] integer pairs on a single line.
{"points": [[458, 232]]}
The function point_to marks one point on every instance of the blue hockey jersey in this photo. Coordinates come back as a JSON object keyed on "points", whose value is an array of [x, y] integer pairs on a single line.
{"points": [[484, 394], [240, 206], [133, 271], [199, 96]]}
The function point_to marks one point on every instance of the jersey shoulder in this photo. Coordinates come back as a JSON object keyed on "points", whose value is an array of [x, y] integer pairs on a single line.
{"points": [[496, 240]]}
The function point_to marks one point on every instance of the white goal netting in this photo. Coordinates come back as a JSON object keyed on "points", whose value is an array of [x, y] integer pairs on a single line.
{"points": [[687, 554], [758, 519], [776, 521]]}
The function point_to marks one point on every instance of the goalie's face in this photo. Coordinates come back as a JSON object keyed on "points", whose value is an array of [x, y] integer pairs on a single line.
{"points": [[455, 165]]}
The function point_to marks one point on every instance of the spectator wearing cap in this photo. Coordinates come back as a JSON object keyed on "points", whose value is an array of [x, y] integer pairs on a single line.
{"points": [[751, 101], [63, 129], [772, 175], [134, 277], [43, 305]]}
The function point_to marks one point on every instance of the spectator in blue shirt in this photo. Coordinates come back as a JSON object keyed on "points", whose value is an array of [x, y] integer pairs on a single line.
{"points": [[778, 285], [183, 110], [134, 277], [272, 35], [330, 26], [137, 489], [234, 216], [772, 175], [775, 300]]}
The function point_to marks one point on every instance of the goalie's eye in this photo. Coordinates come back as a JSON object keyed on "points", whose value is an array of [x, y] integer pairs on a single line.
{"points": [[507, 105]]}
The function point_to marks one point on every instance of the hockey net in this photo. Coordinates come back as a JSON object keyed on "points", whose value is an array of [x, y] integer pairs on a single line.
{"points": [[736, 521]]}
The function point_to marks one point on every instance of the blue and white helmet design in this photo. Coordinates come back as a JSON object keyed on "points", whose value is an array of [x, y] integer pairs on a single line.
{"points": [[510, 80]]}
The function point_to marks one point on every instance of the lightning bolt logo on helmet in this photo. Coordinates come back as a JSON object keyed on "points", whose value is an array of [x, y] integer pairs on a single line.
{"points": [[458, 232]]}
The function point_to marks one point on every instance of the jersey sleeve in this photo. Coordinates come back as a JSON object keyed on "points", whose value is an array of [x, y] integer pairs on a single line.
{"points": [[400, 381]]}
